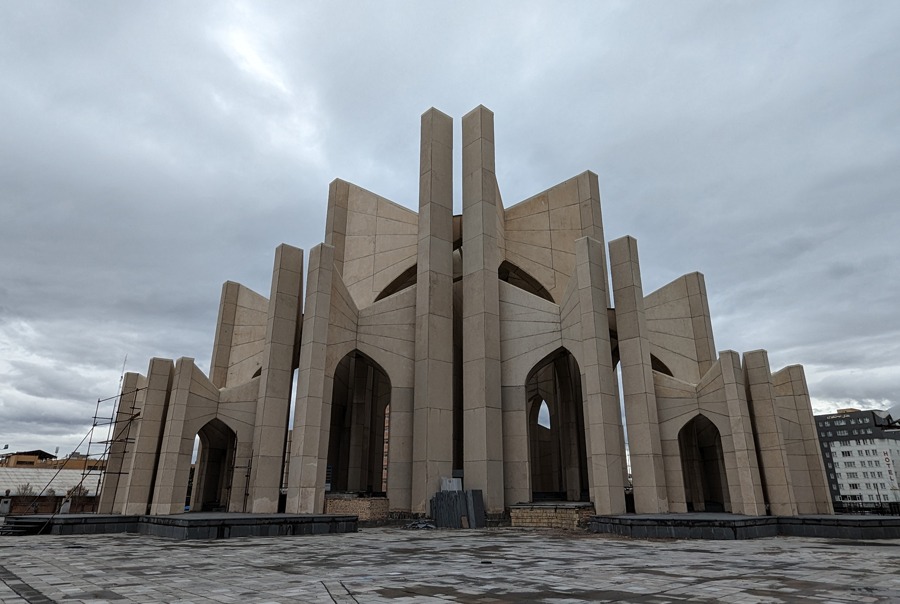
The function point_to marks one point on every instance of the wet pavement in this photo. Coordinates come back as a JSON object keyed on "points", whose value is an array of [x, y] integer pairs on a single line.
{"points": [[397, 565]]}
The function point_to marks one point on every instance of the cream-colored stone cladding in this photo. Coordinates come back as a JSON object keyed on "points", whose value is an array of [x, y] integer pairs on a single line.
{"points": [[493, 344]]}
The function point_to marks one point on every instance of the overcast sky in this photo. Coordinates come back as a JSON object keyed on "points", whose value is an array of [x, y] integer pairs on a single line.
{"points": [[149, 151]]}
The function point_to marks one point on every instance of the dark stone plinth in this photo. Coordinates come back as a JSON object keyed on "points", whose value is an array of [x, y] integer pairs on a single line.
{"points": [[197, 525], [223, 525], [732, 526]]}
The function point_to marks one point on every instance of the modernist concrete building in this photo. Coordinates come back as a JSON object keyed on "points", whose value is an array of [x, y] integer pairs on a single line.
{"points": [[463, 331]]}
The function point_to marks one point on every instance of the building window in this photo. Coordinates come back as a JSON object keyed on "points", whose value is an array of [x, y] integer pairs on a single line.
{"points": [[849, 464], [841, 433], [846, 453], [853, 485]]}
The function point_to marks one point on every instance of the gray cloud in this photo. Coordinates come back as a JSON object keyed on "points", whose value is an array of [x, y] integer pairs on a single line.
{"points": [[151, 152]]}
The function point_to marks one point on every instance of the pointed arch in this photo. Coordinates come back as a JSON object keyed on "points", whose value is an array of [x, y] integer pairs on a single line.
{"points": [[357, 447], [557, 453], [211, 484], [405, 279], [703, 466], [514, 275]]}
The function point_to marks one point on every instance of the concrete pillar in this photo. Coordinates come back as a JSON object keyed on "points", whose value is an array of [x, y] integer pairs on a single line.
{"points": [[647, 468], [701, 322], [773, 461], [399, 478], [276, 377], [360, 404], [115, 477], [176, 448], [433, 404], [148, 437], [336, 220], [482, 408], [791, 382], [221, 355], [744, 484], [602, 418], [312, 418], [516, 468]]}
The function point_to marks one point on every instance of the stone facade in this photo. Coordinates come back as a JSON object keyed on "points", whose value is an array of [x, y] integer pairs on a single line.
{"points": [[493, 343]]}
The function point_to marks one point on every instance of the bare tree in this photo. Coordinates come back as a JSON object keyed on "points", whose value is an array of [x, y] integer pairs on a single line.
{"points": [[79, 490], [25, 489]]}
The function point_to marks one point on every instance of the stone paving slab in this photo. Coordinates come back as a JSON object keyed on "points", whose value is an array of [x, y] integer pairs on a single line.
{"points": [[396, 565]]}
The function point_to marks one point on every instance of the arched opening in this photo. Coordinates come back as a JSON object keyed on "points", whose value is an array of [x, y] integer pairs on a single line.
{"points": [[556, 439], [659, 366], [513, 275], [211, 487], [703, 467], [405, 279], [357, 448]]}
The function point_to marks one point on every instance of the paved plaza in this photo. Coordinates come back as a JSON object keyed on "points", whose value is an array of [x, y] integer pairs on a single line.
{"points": [[397, 565]]}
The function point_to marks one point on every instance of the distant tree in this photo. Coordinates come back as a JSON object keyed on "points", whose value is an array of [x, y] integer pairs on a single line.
{"points": [[50, 492], [25, 489], [79, 490]]}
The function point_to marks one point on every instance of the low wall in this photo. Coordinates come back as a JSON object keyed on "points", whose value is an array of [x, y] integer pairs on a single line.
{"points": [[198, 525], [29, 504], [365, 508], [723, 526], [570, 516]]}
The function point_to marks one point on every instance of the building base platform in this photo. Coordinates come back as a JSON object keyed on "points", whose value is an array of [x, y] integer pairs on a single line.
{"points": [[192, 525], [733, 526]]}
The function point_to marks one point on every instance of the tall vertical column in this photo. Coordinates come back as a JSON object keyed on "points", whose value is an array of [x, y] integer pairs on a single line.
{"points": [[312, 419], [791, 391], [175, 449], [148, 436], [433, 395], [276, 376], [221, 355], [361, 399], [744, 485], [516, 466], [773, 460], [647, 469], [399, 475], [115, 478], [602, 418], [701, 322], [482, 407]]}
